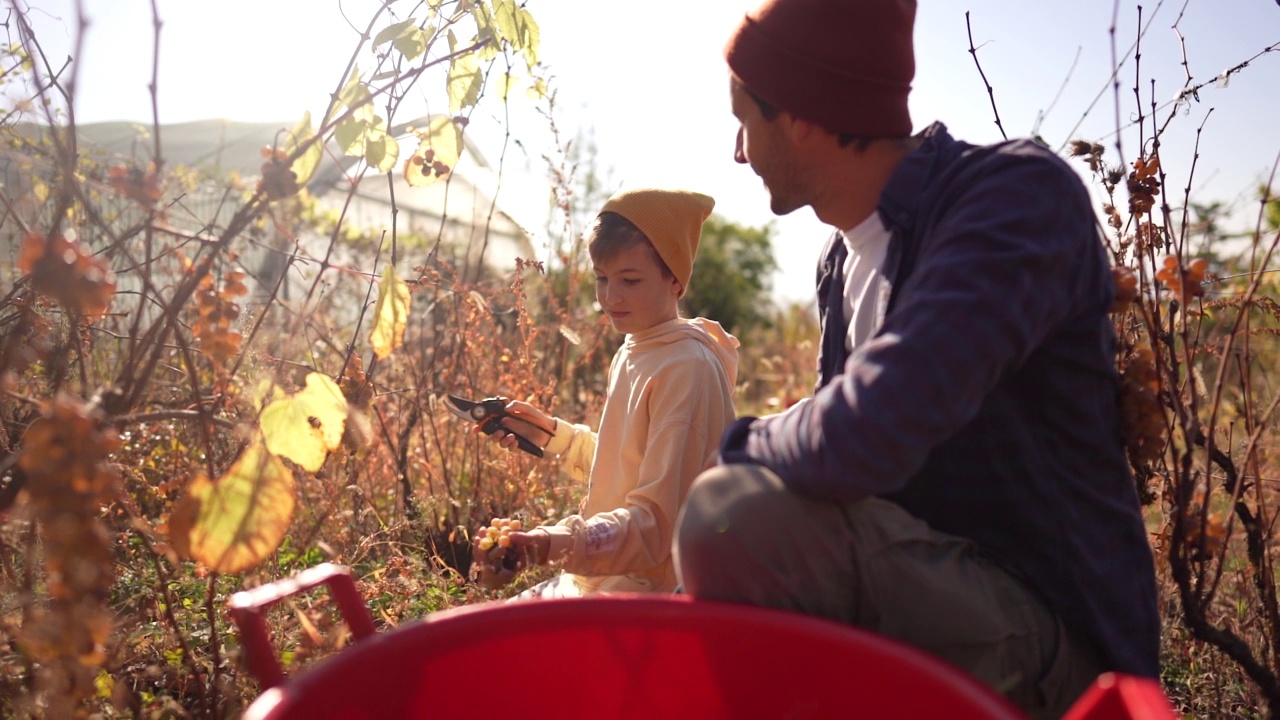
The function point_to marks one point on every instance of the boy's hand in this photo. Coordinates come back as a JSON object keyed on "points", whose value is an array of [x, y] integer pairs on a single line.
{"points": [[528, 421]]}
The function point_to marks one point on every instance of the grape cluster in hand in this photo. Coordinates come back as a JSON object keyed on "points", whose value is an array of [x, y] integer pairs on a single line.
{"points": [[494, 543], [497, 534]]}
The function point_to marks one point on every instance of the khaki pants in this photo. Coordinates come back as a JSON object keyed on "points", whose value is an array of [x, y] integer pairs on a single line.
{"points": [[743, 537]]}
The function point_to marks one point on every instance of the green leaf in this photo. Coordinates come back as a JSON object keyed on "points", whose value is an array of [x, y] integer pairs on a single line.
{"points": [[305, 166], [392, 314], [393, 32], [537, 90], [530, 37], [305, 426], [464, 82], [412, 44], [350, 135], [354, 94], [382, 153], [233, 524], [504, 19]]}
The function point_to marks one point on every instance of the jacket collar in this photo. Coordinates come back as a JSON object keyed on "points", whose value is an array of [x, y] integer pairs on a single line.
{"points": [[900, 200]]}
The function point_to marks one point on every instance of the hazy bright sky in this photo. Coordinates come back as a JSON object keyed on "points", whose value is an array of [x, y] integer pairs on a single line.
{"points": [[648, 79]]}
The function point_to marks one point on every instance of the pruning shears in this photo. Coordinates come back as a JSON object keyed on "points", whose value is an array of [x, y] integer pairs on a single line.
{"points": [[488, 413]]}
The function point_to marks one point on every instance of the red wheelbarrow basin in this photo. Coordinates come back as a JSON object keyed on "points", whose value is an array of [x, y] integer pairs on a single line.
{"points": [[629, 656]]}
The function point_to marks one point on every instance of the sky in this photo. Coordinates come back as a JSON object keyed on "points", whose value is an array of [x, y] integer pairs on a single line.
{"points": [[647, 81]]}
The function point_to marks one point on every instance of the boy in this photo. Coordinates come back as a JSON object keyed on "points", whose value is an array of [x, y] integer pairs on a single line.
{"points": [[670, 397]]}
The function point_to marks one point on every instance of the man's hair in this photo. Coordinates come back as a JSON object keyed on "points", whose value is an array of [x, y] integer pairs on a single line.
{"points": [[770, 113], [612, 234]]}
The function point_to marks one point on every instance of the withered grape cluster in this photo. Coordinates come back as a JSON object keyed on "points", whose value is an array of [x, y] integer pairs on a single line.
{"points": [[1141, 415], [68, 272], [1126, 283], [1183, 283], [278, 180], [1144, 185], [217, 310]]}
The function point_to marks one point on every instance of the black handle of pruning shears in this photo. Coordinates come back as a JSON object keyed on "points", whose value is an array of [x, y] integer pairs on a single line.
{"points": [[488, 413]]}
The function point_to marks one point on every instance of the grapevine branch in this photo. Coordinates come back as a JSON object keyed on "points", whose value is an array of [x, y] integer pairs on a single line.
{"points": [[991, 93]]}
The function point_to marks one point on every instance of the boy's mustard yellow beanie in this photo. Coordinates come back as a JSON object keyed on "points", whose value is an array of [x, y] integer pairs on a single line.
{"points": [[671, 219]]}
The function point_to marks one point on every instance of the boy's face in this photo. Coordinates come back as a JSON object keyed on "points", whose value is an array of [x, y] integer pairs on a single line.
{"points": [[631, 289]]}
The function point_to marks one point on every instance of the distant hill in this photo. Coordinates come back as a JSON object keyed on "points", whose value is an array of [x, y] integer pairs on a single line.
{"points": [[219, 146], [466, 216]]}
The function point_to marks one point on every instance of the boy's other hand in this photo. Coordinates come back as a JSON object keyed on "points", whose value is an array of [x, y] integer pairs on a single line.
{"points": [[496, 567]]}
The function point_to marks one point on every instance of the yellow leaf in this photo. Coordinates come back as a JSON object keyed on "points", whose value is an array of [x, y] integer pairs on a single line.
{"points": [[306, 426], [305, 166], [439, 147], [391, 315], [465, 81], [104, 684], [233, 524], [263, 392]]}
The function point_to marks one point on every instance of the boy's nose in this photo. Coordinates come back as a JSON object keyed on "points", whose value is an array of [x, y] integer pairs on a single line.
{"points": [[738, 154]]}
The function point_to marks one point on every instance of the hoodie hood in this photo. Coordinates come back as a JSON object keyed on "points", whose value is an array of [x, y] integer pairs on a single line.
{"points": [[707, 332]]}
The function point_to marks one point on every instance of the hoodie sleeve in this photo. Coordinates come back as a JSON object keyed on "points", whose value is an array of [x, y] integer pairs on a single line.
{"points": [[689, 406], [575, 447]]}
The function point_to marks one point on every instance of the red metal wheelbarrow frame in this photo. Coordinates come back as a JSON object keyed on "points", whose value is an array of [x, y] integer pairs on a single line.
{"points": [[625, 656]]}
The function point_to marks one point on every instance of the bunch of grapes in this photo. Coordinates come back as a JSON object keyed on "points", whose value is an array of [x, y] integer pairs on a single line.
{"points": [[141, 186], [217, 311], [1144, 185], [498, 533], [1126, 282], [68, 272], [495, 542], [1141, 415], [278, 181], [1183, 283]]}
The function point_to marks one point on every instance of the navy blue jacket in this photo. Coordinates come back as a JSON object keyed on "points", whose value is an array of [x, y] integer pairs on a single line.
{"points": [[986, 403]]}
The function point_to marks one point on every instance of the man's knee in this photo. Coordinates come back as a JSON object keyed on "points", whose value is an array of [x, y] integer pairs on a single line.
{"points": [[724, 499]]}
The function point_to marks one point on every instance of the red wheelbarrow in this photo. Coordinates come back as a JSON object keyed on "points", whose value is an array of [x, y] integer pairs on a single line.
{"points": [[624, 656]]}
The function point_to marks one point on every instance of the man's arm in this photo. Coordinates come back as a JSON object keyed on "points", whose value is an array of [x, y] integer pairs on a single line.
{"points": [[1011, 258]]}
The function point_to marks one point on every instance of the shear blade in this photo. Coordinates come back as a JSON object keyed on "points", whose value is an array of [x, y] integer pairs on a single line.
{"points": [[461, 408]]}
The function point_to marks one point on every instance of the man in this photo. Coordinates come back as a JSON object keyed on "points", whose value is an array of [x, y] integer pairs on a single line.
{"points": [[958, 479]]}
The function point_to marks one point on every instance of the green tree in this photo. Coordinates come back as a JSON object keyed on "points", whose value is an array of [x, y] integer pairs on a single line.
{"points": [[732, 276]]}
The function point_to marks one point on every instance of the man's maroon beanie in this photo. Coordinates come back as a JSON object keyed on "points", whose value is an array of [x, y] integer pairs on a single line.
{"points": [[843, 64]]}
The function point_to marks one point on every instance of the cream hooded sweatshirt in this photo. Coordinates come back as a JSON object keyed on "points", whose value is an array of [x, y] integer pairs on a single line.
{"points": [[670, 398]]}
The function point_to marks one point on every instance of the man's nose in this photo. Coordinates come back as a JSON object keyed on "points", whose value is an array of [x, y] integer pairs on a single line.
{"points": [[738, 153]]}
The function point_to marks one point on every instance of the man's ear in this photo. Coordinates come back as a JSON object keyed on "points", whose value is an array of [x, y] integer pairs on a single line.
{"points": [[802, 131]]}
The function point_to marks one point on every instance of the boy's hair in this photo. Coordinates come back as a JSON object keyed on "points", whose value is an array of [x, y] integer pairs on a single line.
{"points": [[612, 234]]}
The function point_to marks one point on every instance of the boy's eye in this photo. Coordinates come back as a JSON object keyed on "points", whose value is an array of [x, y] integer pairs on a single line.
{"points": [[631, 281]]}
